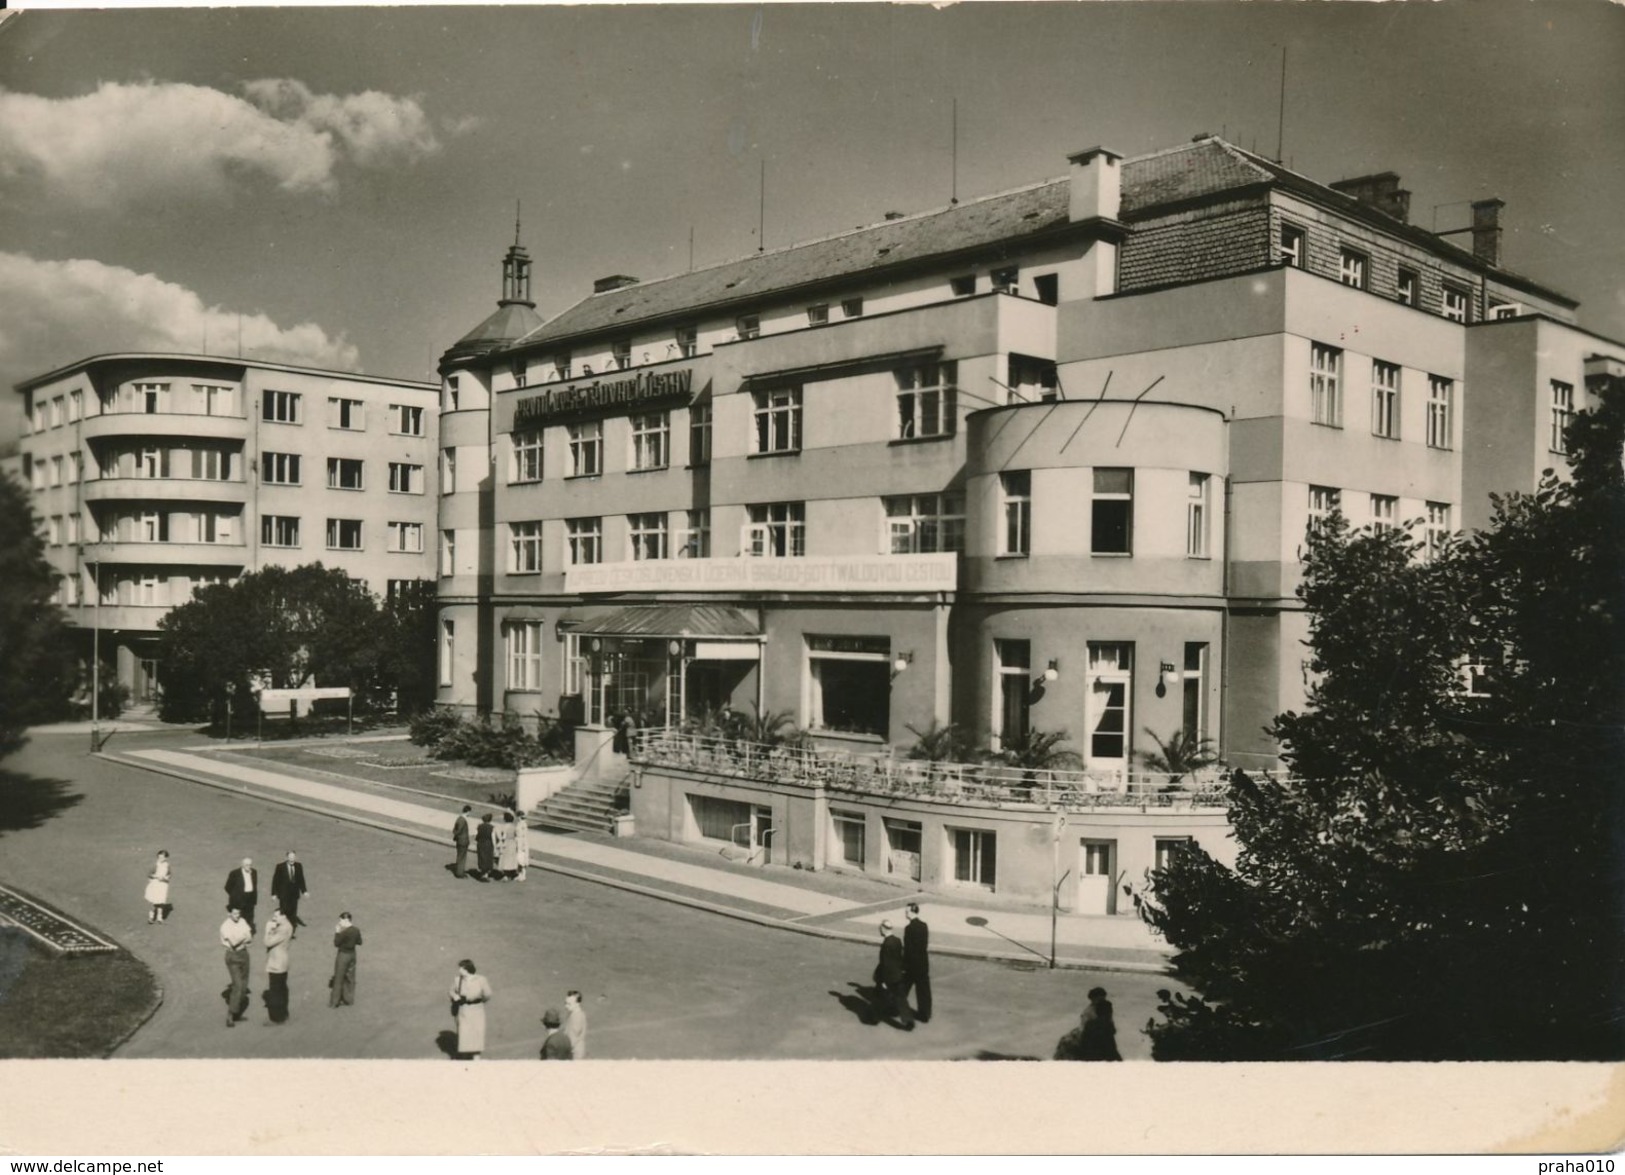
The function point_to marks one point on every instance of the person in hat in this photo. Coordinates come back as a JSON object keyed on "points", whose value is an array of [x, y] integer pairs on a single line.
{"points": [[917, 961], [889, 978], [485, 847], [556, 1047]]}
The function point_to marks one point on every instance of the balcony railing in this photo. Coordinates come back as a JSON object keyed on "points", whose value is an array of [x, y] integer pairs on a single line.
{"points": [[989, 784]]}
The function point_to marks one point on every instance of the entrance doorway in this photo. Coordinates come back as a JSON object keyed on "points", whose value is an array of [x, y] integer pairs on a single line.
{"points": [[762, 832], [1097, 868]]}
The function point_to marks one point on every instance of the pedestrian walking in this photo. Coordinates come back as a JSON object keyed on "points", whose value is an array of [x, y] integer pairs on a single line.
{"points": [[470, 992], [485, 847], [346, 937], [889, 978], [287, 887], [556, 1046], [236, 937], [917, 962], [157, 891], [459, 839], [1098, 1038], [521, 833], [575, 1025], [278, 934], [243, 892]]}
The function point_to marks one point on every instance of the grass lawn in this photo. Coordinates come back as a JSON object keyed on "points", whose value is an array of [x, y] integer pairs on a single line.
{"points": [[395, 764], [55, 1005]]}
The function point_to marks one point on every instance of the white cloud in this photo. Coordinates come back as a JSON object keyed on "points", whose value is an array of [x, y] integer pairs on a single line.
{"points": [[165, 140], [55, 312]]}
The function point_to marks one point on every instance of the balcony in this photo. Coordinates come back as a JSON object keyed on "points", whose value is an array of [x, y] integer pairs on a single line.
{"points": [[189, 489], [843, 573], [168, 554], [118, 617], [163, 424]]}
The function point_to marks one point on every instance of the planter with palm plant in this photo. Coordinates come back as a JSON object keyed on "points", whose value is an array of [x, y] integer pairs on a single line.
{"points": [[1037, 751], [1179, 755]]}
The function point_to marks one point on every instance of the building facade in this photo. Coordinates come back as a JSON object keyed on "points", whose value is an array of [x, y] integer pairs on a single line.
{"points": [[158, 473]]}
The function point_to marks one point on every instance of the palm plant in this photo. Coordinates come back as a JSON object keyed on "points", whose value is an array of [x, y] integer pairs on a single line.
{"points": [[772, 728], [1039, 750], [939, 743], [1180, 754]]}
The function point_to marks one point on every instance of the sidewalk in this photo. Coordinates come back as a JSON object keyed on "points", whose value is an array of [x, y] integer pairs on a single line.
{"points": [[833, 906]]}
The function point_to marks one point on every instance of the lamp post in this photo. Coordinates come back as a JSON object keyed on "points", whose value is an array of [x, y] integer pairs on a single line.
{"points": [[96, 660], [1055, 890]]}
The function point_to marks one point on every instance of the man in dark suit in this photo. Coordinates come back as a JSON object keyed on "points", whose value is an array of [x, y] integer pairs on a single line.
{"points": [[243, 891], [288, 886], [917, 961], [459, 838], [889, 978]]}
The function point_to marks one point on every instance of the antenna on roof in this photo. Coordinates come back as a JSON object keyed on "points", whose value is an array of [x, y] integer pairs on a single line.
{"points": [[516, 223], [239, 335], [691, 248], [1280, 119], [761, 210], [953, 197]]}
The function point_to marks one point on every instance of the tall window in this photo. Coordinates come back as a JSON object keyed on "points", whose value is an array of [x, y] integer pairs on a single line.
{"points": [[343, 473], [405, 478], [448, 552], [1406, 284], [586, 448], [448, 649], [648, 533], [926, 400], [1385, 399], [344, 534], [699, 434], [1326, 384], [343, 413], [585, 540], [975, 856], [280, 407], [1193, 696], [688, 341], [73, 528], [1438, 528], [524, 547], [1290, 249], [406, 420], [1016, 493], [1196, 516], [527, 455], [1441, 393], [73, 467], [1455, 303], [406, 536], [1351, 266], [56, 471], [279, 468], [921, 524], [1111, 513], [849, 835], [524, 641], [279, 530], [1110, 674], [448, 471], [777, 530], [454, 393], [651, 440], [1562, 413], [1323, 503], [778, 420], [1012, 667], [75, 405], [694, 540], [1384, 512], [211, 465], [151, 398], [621, 353]]}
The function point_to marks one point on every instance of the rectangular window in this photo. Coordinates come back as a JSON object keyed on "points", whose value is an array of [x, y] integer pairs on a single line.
{"points": [[1166, 848], [343, 473], [345, 413], [587, 448], [524, 547], [1385, 399], [1111, 513], [1406, 284], [1047, 287], [963, 286], [921, 524], [53, 530], [585, 540], [527, 456], [151, 398], [851, 307], [36, 416], [74, 468], [150, 589], [818, 315], [448, 552], [1384, 512], [718, 819], [1438, 529], [1016, 494], [213, 527], [1196, 516], [210, 465], [778, 420], [448, 649], [699, 435], [648, 536], [1012, 661], [1351, 267], [749, 326], [777, 530], [926, 401], [405, 478], [75, 405], [1193, 696], [344, 534], [521, 373], [405, 420], [1106, 715], [1290, 251], [453, 393], [850, 830], [1441, 394], [281, 469], [279, 530], [849, 684], [562, 365], [1562, 414], [280, 407], [524, 641], [73, 528], [904, 839], [58, 412], [1323, 503], [152, 462], [153, 527], [448, 471], [975, 858], [694, 540], [621, 352], [651, 440], [688, 341], [406, 537], [55, 477], [1455, 303], [1326, 384]]}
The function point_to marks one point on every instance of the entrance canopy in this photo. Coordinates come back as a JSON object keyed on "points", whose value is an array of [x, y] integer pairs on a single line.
{"points": [[679, 621]]}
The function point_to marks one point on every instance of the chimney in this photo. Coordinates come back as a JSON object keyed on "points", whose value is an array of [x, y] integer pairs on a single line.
{"points": [[1487, 230], [1380, 191], [1097, 184], [615, 281]]}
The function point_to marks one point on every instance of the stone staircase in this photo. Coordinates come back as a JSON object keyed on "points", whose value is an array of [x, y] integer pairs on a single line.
{"points": [[588, 805]]}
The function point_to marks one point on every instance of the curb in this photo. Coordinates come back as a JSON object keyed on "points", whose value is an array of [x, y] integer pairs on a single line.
{"points": [[552, 866]]}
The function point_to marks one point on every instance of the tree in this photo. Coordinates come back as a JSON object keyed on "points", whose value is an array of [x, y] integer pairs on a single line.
{"points": [[37, 670], [1442, 878], [410, 620], [279, 628]]}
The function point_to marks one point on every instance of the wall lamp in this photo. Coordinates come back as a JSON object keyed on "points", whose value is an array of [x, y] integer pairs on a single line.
{"points": [[901, 662], [1052, 673], [1167, 677]]}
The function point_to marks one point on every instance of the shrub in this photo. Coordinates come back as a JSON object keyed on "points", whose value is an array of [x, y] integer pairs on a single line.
{"points": [[429, 727]]}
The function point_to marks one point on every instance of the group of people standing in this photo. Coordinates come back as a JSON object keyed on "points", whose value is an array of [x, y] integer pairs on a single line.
{"points": [[502, 851], [566, 1038]]}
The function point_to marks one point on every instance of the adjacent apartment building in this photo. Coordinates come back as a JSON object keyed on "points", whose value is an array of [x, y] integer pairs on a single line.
{"points": [[157, 473]]}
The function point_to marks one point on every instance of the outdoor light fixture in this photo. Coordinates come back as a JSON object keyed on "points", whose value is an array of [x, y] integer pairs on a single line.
{"points": [[1167, 677], [1053, 673], [901, 662], [675, 648]]}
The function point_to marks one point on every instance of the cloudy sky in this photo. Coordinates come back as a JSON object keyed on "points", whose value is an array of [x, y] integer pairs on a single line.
{"points": [[337, 186]]}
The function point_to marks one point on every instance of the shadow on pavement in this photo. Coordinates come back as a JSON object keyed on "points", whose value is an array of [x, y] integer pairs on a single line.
{"points": [[860, 1003], [446, 1042], [986, 1055], [27, 801]]}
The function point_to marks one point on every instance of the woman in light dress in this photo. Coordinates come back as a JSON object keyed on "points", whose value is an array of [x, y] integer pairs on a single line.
{"points": [[470, 992], [521, 840], [507, 848], [157, 893]]}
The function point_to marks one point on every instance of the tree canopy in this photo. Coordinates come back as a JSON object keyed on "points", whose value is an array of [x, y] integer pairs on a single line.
{"points": [[37, 672], [1444, 875]]}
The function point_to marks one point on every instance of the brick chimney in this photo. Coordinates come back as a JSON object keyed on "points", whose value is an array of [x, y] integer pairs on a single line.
{"points": [[614, 281], [1487, 230], [1097, 184], [1381, 191]]}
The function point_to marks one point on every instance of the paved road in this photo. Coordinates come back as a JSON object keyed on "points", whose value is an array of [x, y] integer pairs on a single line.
{"points": [[661, 981]]}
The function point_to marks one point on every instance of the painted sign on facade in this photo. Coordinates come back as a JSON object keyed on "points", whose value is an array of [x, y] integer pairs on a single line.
{"points": [[850, 573], [602, 394]]}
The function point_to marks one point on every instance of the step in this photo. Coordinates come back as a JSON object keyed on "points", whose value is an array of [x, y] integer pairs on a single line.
{"points": [[576, 824]]}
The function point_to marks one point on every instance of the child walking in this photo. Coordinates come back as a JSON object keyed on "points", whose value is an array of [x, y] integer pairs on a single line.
{"points": [[157, 894]]}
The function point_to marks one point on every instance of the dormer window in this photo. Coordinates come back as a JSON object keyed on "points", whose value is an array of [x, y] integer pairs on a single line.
{"points": [[1004, 280], [1047, 286], [750, 326], [1406, 285], [561, 365], [621, 352], [818, 315], [963, 286], [1290, 250], [688, 341], [1351, 267], [1455, 304], [852, 307], [520, 373]]}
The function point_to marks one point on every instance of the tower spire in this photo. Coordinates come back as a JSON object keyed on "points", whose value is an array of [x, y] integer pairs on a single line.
{"points": [[516, 269]]}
